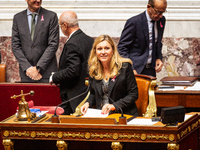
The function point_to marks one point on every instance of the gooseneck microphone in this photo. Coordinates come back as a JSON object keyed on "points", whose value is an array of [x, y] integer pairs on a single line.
{"points": [[122, 119], [55, 118]]}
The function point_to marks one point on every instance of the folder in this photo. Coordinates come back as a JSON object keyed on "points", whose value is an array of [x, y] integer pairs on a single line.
{"points": [[182, 81]]}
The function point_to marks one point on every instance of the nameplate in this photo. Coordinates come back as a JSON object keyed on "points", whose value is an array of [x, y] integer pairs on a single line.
{"points": [[88, 120]]}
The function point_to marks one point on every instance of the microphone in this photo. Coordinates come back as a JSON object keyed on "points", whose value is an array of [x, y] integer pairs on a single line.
{"points": [[55, 117], [122, 119]]}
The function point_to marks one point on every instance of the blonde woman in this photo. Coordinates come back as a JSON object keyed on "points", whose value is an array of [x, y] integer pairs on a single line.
{"points": [[112, 85]]}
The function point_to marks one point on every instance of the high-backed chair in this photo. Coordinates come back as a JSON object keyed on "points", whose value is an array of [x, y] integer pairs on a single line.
{"points": [[2, 73], [146, 102]]}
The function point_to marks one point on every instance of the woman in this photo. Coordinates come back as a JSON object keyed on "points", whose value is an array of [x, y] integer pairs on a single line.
{"points": [[112, 85]]}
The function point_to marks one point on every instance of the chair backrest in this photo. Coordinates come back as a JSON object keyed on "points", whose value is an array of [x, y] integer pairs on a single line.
{"points": [[146, 103], [2, 73], [78, 108]]}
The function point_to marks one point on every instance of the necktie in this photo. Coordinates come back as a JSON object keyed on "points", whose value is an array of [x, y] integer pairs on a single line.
{"points": [[153, 45], [32, 25]]}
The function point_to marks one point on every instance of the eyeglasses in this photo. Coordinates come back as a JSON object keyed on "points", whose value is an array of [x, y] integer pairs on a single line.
{"points": [[158, 12], [61, 24]]}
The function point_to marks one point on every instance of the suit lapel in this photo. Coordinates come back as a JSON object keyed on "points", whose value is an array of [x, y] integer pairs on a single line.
{"points": [[159, 23], [112, 83], [145, 27], [26, 26], [99, 86]]}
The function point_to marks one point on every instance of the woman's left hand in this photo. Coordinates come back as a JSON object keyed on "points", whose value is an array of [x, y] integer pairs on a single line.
{"points": [[106, 108]]}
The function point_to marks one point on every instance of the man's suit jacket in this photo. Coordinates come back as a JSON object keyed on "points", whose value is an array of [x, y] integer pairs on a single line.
{"points": [[41, 51], [134, 41], [73, 66], [122, 90]]}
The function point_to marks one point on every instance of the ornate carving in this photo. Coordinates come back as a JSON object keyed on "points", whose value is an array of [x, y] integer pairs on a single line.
{"points": [[8, 144], [157, 137], [115, 136], [195, 125], [6, 133], [184, 132], [178, 136], [60, 135], [171, 137], [143, 137], [172, 146], [116, 146], [151, 110], [62, 145], [87, 135], [33, 134]]}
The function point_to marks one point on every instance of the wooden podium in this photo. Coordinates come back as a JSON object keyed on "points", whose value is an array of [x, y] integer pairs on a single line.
{"points": [[46, 135]]}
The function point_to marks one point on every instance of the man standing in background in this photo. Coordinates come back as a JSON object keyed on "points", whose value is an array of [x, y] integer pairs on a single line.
{"points": [[141, 39], [73, 62], [35, 39]]}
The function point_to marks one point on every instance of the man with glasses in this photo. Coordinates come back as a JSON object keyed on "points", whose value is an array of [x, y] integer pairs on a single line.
{"points": [[141, 39], [73, 62]]}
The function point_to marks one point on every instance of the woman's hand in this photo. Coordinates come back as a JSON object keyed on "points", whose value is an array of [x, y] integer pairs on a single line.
{"points": [[106, 108], [84, 108]]}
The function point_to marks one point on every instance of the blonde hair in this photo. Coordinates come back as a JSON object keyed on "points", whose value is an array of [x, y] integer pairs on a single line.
{"points": [[95, 67]]}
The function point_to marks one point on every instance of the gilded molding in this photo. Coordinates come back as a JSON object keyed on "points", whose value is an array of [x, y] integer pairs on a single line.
{"points": [[171, 137], [6, 133], [88, 135], [151, 110], [195, 125], [143, 137]]}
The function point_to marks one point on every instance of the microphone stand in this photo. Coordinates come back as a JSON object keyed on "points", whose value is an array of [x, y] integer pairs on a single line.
{"points": [[122, 119], [55, 118]]}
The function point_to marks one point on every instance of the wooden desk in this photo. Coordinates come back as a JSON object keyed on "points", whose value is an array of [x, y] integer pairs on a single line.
{"points": [[190, 99], [88, 136]]}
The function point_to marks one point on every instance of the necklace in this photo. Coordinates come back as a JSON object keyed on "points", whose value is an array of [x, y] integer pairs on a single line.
{"points": [[106, 77]]}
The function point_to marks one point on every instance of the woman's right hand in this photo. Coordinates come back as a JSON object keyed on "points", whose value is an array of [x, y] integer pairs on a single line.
{"points": [[84, 108]]}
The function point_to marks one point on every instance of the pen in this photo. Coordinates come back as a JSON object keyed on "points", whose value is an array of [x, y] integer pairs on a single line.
{"points": [[38, 118]]}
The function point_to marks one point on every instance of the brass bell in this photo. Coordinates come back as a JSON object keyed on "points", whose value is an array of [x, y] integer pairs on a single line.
{"points": [[24, 113]]}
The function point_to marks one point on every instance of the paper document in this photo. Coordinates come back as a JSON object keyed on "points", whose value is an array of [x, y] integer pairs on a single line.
{"points": [[195, 87], [140, 121], [187, 116], [171, 88], [94, 113]]}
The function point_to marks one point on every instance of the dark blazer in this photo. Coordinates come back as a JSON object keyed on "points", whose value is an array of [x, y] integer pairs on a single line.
{"points": [[134, 41], [123, 90], [73, 66], [41, 51]]}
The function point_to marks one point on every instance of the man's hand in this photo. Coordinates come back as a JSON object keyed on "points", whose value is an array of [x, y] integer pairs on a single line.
{"points": [[159, 65], [33, 73]]}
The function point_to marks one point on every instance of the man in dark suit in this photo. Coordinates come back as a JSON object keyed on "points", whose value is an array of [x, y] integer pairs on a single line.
{"points": [[35, 39], [141, 39], [73, 62]]}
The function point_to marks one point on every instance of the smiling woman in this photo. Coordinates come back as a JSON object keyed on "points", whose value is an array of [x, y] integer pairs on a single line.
{"points": [[113, 85]]}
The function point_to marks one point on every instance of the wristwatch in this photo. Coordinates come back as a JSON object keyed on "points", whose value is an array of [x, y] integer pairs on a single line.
{"points": [[38, 68]]}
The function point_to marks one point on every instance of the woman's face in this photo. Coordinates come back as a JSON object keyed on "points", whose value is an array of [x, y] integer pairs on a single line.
{"points": [[104, 52]]}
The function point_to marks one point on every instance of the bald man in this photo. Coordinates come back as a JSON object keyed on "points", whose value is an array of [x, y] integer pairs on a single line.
{"points": [[141, 39], [73, 62]]}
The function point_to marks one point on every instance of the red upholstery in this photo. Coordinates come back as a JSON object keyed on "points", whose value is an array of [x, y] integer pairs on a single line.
{"points": [[50, 109]]}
